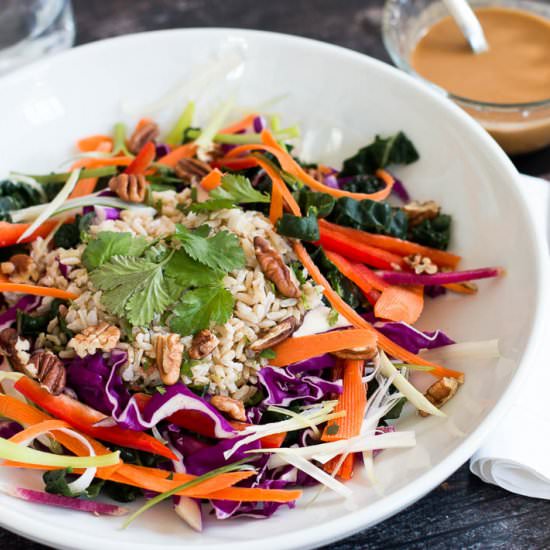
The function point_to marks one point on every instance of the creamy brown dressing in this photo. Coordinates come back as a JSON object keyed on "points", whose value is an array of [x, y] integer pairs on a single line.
{"points": [[516, 69]]}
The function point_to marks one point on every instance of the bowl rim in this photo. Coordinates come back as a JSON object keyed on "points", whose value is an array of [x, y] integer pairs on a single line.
{"points": [[403, 64], [363, 518]]}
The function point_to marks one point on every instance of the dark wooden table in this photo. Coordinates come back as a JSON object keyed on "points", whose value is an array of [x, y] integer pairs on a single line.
{"points": [[462, 512]]}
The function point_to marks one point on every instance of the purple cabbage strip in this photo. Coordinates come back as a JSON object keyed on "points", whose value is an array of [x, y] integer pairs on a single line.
{"points": [[102, 213], [315, 363], [176, 398], [434, 291], [259, 124], [411, 338], [26, 303], [442, 278], [64, 269], [9, 429], [400, 190], [162, 149], [331, 180], [283, 388]]}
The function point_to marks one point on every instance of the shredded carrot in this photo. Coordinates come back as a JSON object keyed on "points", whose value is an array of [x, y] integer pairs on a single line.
{"points": [[356, 320], [277, 181], [35, 290], [212, 180], [240, 125], [345, 471], [86, 186], [98, 163], [461, 288], [246, 494], [276, 206], [182, 152], [92, 143], [293, 350], [289, 165], [10, 232], [242, 163], [360, 274], [399, 303], [392, 244]]}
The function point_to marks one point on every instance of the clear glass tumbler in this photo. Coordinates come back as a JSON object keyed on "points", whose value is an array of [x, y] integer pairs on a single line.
{"points": [[30, 29]]}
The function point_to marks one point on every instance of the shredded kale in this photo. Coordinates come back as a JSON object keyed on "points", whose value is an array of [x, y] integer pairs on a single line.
{"points": [[362, 183], [16, 195], [32, 325], [435, 233], [304, 228], [69, 235], [318, 204], [396, 149], [57, 483]]}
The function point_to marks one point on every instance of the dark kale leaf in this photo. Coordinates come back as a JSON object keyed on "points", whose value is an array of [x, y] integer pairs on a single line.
{"points": [[395, 412], [7, 252], [320, 204], [52, 189], [362, 183], [57, 483], [32, 325], [69, 235], [396, 149], [347, 290], [304, 228], [435, 232], [375, 217], [121, 492], [16, 195]]}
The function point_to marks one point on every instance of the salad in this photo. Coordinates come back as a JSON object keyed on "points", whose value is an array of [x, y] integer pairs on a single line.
{"points": [[202, 317]]}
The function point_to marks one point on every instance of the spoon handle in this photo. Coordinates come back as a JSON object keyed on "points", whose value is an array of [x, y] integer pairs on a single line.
{"points": [[468, 23]]}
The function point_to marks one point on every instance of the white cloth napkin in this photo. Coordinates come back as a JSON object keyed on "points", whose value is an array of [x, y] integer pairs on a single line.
{"points": [[516, 456]]}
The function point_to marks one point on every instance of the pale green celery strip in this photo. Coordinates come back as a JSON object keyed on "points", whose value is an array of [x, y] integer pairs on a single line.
{"points": [[185, 120]]}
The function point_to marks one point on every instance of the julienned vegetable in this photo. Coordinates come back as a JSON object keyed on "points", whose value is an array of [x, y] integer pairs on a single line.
{"points": [[215, 341]]}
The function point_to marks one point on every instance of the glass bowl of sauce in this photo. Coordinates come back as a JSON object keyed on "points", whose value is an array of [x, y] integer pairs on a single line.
{"points": [[507, 89]]}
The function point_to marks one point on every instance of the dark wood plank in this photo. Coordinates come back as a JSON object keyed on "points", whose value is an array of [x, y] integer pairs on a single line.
{"points": [[463, 512]]}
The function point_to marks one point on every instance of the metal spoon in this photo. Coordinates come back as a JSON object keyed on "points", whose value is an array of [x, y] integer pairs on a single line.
{"points": [[468, 23]]}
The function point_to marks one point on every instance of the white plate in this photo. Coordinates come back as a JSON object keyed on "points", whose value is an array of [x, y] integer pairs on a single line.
{"points": [[341, 99]]}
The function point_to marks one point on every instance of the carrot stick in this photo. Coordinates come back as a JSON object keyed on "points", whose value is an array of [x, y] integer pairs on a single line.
{"points": [[345, 471], [356, 320], [276, 206], [353, 400], [242, 124], [292, 167], [235, 164], [10, 232], [281, 186], [182, 152], [35, 290], [293, 350], [212, 180], [392, 244], [97, 163], [86, 186], [92, 143], [246, 494], [360, 274]]}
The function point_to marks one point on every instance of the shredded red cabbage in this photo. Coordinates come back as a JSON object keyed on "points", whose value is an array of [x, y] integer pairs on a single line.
{"points": [[26, 303], [411, 338]]}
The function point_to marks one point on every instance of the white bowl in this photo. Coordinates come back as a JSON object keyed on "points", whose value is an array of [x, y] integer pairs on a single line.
{"points": [[341, 99]]}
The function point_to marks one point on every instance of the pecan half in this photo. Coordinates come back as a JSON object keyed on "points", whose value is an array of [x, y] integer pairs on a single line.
{"points": [[421, 264], [50, 371], [192, 170], [275, 335], [275, 269], [234, 408], [147, 132], [440, 392], [94, 337], [20, 266], [417, 212], [204, 342], [129, 187], [366, 353], [169, 353], [16, 349]]}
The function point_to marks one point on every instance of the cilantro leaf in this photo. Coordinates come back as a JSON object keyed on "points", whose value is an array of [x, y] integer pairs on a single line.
{"points": [[212, 205], [109, 244], [238, 189], [200, 308], [221, 252], [133, 288], [188, 272]]}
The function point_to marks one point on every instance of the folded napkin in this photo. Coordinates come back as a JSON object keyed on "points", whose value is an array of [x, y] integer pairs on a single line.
{"points": [[516, 456]]}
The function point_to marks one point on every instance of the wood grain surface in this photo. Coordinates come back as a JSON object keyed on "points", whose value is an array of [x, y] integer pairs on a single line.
{"points": [[462, 512]]}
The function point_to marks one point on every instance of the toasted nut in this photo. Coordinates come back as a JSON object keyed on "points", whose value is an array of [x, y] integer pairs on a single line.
{"points": [[147, 132], [421, 264], [20, 267], [366, 353], [440, 392], [129, 187], [232, 407], [417, 212], [50, 371], [275, 269], [275, 335], [16, 349], [204, 342], [103, 336], [169, 353], [191, 170]]}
